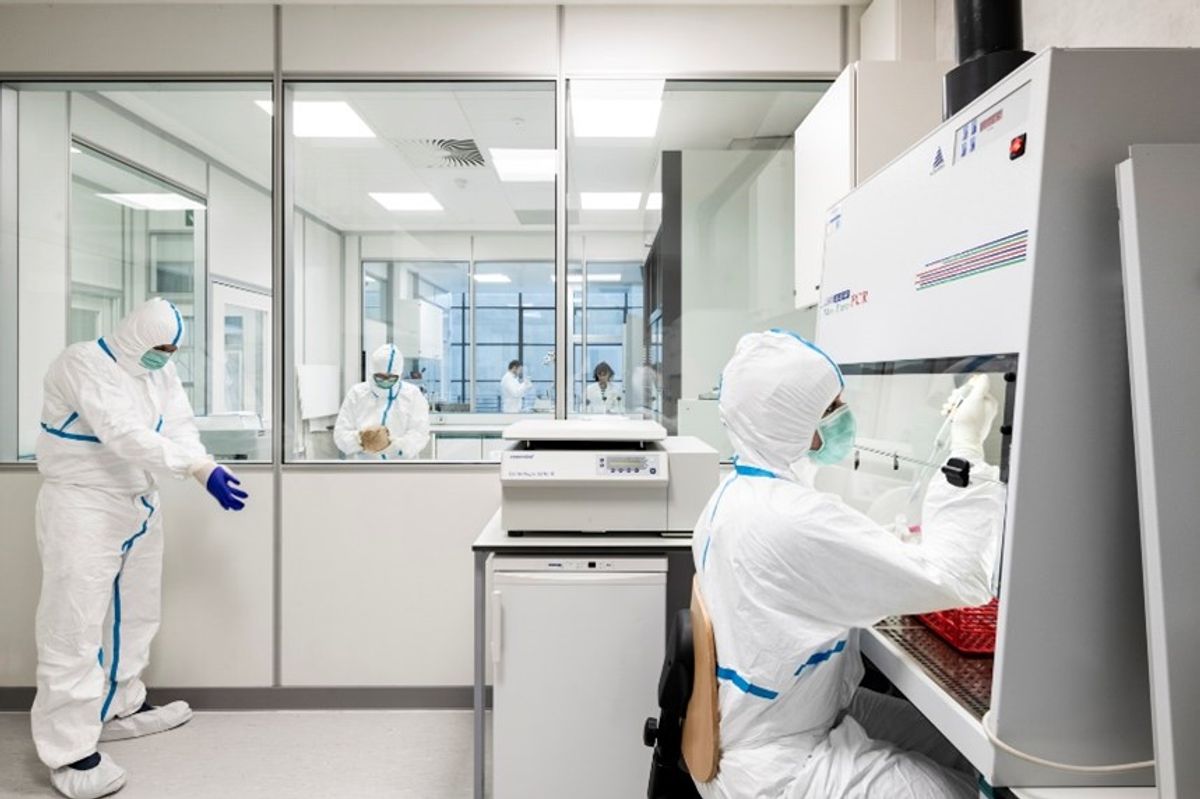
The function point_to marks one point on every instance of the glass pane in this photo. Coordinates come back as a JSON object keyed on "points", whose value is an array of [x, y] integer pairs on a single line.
{"points": [[684, 222], [903, 436], [442, 195], [123, 190]]}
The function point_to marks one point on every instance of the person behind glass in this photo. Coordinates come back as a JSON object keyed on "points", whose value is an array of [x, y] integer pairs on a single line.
{"points": [[514, 387], [603, 396], [383, 418]]}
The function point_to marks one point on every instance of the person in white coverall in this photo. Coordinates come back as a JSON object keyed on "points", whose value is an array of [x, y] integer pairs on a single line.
{"points": [[383, 418], [788, 573], [114, 416]]}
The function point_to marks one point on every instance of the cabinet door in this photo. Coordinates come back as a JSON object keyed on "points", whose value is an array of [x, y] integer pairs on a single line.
{"points": [[576, 659], [824, 174]]}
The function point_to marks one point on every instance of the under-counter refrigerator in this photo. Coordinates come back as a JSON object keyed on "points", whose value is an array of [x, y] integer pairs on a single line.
{"points": [[576, 647]]}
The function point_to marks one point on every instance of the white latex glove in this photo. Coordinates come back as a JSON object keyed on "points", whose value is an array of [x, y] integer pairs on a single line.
{"points": [[971, 420]]}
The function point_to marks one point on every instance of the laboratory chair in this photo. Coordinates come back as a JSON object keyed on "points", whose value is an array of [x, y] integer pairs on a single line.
{"points": [[685, 736]]}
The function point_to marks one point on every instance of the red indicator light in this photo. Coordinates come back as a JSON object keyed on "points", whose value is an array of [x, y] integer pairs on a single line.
{"points": [[1016, 147]]}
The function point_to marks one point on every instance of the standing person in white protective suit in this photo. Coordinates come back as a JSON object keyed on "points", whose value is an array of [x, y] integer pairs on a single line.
{"points": [[788, 572], [383, 418], [114, 416]]}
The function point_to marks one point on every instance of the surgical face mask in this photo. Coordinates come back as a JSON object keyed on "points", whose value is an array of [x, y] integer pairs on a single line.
{"points": [[154, 359], [837, 437], [386, 383]]}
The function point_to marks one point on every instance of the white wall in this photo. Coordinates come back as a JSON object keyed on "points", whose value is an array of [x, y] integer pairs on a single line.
{"points": [[377, 573], [320, 322], [42, 287], [1081, 23], [135, 37], [898, 30], [702, 39], [239, 230], [737, 254], [217, 585]]}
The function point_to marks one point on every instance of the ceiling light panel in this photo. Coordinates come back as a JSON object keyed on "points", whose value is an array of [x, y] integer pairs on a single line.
{"points": [[524, 166], [616, 109], [156, 201], [654, 201], [610, 200], [492, 277], [406, 200], [333, 119]]}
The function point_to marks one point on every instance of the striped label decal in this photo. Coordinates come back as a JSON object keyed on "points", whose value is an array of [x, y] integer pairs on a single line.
{"points": [[1011, 249]]}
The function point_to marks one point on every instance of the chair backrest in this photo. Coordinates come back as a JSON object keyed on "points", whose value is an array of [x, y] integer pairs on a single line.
{"points": [[701, 728]]}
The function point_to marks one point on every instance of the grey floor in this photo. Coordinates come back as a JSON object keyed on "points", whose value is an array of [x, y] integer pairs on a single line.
{"points": [[401, 754]]}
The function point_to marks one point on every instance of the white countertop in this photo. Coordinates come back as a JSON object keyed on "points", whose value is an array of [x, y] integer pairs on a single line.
{"points": [[495, 539]]}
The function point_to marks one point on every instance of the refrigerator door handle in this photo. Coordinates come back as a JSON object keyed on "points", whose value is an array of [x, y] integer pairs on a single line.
{"points": [[497, 628]]}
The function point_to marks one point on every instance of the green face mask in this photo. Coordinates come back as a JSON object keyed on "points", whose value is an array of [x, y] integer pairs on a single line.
{"points": [[837, 437], [154, 359], [386, 383]]}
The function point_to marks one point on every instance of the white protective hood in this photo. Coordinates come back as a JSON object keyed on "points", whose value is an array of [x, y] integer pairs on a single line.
{"points": [[151, 324], [773, 393], [386, 359]]}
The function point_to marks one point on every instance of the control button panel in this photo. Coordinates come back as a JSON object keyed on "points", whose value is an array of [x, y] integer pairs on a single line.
{"points": [[627, 465]]}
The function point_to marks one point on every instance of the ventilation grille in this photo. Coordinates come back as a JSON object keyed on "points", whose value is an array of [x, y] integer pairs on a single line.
{"points": [[443, 153]]}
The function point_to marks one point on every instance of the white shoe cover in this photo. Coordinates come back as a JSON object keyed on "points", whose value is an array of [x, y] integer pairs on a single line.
{"points": [[148, 722], [104, 779]]}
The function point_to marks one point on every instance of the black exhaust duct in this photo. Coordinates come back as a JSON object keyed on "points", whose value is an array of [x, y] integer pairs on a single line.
{"points": [[989, 47]]}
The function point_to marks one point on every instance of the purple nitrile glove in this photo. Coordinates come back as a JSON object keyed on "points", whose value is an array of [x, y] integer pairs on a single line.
{"points": [[221, 484]]}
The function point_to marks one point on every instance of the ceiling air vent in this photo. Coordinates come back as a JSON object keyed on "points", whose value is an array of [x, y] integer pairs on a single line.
{"points": [[443, 153]]}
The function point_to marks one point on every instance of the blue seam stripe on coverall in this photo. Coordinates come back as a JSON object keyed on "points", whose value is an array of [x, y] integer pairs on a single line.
{"points": [[391, 395], [178, 325], [116, 653], [723, 673], [744, 685], [69, 436], [749, 471], [814, 348], [817, 658], [107, 351]]}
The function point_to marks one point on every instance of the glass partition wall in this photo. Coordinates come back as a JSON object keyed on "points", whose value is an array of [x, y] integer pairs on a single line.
{"points": [[680, 238], [417, 214], [113, 193], [422, 217]]}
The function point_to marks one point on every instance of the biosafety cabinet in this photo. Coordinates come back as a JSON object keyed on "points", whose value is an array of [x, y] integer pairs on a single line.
{"points": [[992, 246]]}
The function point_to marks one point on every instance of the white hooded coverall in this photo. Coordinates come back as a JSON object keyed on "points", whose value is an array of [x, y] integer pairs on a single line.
{"points": [[403, 410], [108, 426], [788, 573]]}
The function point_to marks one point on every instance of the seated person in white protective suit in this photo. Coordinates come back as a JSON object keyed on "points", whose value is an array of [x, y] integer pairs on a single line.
{"points": [[788, 573], [383, 418], [114, 418]]}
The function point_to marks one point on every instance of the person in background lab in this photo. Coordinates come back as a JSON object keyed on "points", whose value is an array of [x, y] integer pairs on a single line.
{"points": [[383, 418], [514, 387], [789, 572], [114, 415], [603, 396]]}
